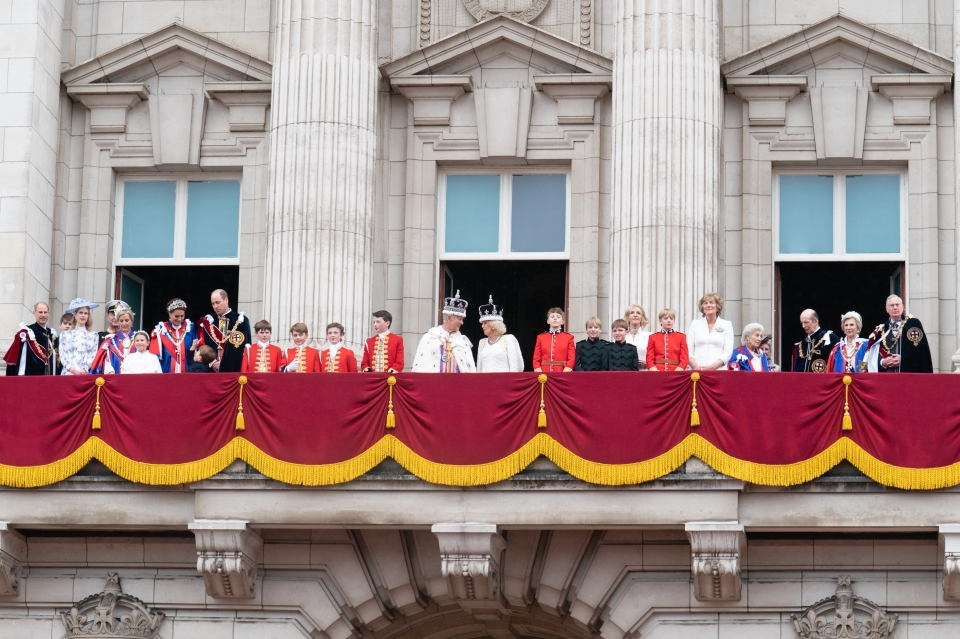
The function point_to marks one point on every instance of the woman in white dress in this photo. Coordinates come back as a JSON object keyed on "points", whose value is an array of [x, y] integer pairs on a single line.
{"points": [[710, 338], [141, 360], [637, 319], [499, 352], [78, 346]]}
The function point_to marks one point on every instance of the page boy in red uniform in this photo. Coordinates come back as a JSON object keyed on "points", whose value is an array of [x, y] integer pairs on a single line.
{"points": [[262, 357], [382, 353], [555, 351], [301, 358], [667, 349], [338, 358]]}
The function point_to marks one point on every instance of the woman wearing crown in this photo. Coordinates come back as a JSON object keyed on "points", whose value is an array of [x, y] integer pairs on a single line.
{"points": [[444, 349], [499, 352], [172, 341]]}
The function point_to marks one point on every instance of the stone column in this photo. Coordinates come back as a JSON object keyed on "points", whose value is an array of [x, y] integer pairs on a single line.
{"points": [[666, 161], [956, 182], [320, 218], [29, 112]]}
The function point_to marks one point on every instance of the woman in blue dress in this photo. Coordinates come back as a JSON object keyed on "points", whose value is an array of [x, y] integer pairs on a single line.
{"points": [[749, 358]]}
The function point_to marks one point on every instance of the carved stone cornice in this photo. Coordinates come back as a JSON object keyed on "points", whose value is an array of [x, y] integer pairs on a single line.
{"points": [[911, 93], [837, 617], [432, 95], [111, 613], [108, 103], [228, 557], [13, 551], [470, 558], [767, 96], [716, 549], [247, 101], [575, 93]]}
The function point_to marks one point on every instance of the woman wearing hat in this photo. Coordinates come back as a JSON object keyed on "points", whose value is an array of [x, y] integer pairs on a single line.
{"points": [[78, 346]]}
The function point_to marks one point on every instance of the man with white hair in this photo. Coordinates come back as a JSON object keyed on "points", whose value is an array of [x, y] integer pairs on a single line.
{"points": [[444, 349], [811, 353], [899, 345]]}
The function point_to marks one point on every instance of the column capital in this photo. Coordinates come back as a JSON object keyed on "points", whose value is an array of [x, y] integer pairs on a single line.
{"points": [[716, 551], [228, 556]]}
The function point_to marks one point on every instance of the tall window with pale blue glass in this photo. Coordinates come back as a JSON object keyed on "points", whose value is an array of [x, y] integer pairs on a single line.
{"points": [[181, 219], [506, 214], [846, 213]]}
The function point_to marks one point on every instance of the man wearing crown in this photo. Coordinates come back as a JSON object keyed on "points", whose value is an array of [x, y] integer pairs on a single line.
{"points": [[172, 341], [899, 345], [444, 349], [382, 353], [32, 351], [227, 333]]}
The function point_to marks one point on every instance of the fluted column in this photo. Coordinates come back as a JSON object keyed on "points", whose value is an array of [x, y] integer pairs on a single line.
{"points": [[666, 136], [320, 216]]}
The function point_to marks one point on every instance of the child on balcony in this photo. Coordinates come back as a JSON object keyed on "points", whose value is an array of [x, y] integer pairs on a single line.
{"points": [[667, 349]]}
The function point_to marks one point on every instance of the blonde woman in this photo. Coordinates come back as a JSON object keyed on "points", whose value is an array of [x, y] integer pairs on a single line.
{"points": [[637, 322], [78, 346], [498, 352], [710, 337]]}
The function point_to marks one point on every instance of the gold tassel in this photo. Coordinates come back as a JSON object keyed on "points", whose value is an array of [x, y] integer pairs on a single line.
{"points": [[96, 413], [240, 423], [847, 423], [391, 418], [542, 417], [694, 414]]}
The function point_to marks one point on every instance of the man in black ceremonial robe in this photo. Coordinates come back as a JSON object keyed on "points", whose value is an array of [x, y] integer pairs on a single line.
{"points": [[32, 351], [811, 353], [899, 345]]}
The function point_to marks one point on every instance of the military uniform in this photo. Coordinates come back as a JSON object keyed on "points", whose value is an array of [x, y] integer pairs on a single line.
{"points": [[667, 351], [554, 352]]}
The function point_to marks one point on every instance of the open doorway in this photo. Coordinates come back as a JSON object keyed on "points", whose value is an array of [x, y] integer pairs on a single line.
{"points": [[526, 289], [832, 289], [151, 287]]}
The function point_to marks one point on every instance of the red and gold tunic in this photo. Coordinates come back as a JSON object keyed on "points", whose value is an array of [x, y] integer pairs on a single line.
{"points": [[343, 362], [383, 354], [257, 359], [667, 351], [306, 358], [554, 352]]}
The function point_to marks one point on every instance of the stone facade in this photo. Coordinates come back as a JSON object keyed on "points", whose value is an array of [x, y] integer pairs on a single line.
{"points": [[671, 120]]}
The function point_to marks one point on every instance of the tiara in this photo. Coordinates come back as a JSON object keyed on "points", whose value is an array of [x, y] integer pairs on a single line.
{"points": [[176, 305]]}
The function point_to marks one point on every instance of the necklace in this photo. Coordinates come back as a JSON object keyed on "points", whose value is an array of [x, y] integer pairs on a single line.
{"points": [[813, 347], [491, 342], [850, 359], [888, 344]]}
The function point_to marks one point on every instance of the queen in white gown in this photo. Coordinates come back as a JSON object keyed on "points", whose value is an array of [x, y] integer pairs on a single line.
{"points": [[499, 352]]}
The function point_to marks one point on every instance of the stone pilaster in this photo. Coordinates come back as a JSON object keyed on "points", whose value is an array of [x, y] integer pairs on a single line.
{"points": [[666, 137], [320, 220], [29, 112]]}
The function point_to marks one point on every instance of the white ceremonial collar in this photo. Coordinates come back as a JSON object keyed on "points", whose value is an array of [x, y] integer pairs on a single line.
{"points": [[262, 344]]}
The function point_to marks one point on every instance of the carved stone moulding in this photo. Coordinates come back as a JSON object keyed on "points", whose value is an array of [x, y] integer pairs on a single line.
{"points": [[13, 550], [522, 10], [470, 558], [844, 616], [228, 556], [111, 613], [716, 549]]}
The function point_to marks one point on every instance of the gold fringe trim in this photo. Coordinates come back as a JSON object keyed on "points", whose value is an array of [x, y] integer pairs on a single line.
{"points": [[482, 474]]}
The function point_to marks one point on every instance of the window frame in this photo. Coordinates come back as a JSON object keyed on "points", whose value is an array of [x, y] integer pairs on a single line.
{"points": [[839, 253], [505, 213], [180, 221]]}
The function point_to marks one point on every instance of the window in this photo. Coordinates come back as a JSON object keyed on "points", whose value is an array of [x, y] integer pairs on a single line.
{"points": [[844, 214], [173, 220], [504, 215]]}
